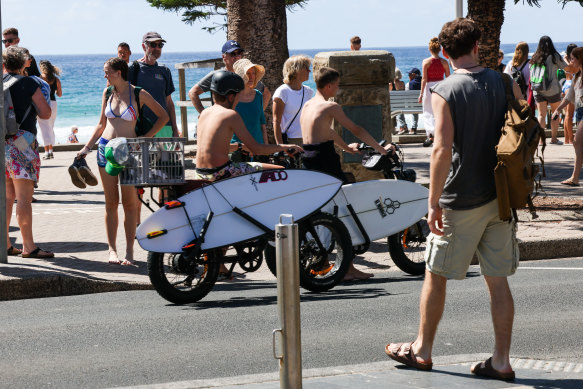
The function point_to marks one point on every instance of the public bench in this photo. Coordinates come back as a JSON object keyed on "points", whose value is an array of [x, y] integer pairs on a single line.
{"points": [[406, 102]]}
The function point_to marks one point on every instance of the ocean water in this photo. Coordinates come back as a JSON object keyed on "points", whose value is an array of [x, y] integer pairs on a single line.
{"points": [[83, 83]]}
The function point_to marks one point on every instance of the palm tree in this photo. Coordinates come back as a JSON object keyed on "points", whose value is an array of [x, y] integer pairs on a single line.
{"points": [[489, 14]]}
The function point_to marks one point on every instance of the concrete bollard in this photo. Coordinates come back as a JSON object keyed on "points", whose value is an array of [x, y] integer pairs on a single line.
{"points": [[288, 303]]}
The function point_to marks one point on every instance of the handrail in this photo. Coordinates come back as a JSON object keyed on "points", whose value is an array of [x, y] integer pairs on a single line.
{"points": [[183, 103]]}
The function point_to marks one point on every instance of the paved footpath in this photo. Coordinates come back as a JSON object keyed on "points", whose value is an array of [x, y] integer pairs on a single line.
{"points": [[70, 222]]}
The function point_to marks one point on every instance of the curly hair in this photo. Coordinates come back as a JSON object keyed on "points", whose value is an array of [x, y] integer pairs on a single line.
{"points": [[459, 36], [434, 46], [13, 58]]}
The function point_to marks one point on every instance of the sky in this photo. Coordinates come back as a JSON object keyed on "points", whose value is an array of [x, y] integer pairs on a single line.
{"points": [[97, 26]]}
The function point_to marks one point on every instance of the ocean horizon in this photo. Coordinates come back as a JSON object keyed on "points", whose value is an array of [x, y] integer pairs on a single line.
{"points": [[83, 83]]}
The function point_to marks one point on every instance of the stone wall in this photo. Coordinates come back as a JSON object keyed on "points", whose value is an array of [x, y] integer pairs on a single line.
{"points": [[364, 95]]}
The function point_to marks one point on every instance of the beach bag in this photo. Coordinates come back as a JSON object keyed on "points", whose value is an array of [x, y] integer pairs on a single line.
{"points": [[12, 126], [143, 124], [518, 77], [516, 173], [539, 78]]}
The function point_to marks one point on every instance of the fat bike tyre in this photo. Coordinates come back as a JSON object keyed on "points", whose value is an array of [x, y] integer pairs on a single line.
{"points": [[317, 274], [321, 268], [407, 248], [180, 281]]}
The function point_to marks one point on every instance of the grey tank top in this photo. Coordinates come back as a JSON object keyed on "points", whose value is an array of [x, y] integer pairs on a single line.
{"points": [[477, 102]]}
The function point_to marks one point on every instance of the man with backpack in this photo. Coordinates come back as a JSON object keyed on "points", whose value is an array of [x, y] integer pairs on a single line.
{"points": [[155, 79], [469, 108]]}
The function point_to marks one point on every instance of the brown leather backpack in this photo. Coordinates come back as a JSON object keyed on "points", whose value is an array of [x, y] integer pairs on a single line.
{"points": [[517, 175]]}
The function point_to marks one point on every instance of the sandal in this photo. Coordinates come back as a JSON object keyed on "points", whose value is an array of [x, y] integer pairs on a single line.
{"points": [[39, 253], [403, 353], [13, 251], [485, 369], [569, 183]]}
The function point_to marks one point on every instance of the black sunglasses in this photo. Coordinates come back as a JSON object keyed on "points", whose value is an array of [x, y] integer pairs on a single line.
{"points": [[236, 53], [154, 44], [8, 40]]}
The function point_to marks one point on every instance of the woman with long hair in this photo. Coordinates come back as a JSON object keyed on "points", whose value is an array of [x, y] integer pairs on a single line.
{"points": [[520, 62], [575, 96], [49, 74], [119, 113], [289, 99], [550, 94], [434, 69], [22, 159]]}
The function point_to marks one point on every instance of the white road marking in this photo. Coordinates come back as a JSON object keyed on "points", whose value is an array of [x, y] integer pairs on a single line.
{"points": [[550, 268]]}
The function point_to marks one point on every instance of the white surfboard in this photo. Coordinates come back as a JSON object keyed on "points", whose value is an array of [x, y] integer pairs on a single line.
{"points": [[384, 207], [263, 195]]}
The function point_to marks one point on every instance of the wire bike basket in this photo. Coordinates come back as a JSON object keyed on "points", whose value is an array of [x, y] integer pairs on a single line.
{"points": [[154, 162]]}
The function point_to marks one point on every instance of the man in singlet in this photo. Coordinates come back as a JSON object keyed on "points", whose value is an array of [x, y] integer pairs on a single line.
{"points": [[470, 108], [319, 138], [216, 127]]}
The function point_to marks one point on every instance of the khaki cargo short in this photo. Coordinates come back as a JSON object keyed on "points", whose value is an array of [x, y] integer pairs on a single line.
{"points": [[466, 232]]}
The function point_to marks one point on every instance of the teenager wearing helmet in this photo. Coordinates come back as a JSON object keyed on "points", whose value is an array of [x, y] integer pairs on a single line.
{"points": [[216, 127]]}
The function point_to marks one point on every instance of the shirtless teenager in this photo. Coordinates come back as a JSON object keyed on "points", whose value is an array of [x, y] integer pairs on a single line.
{"points": [[215, 129], [319, 137]]}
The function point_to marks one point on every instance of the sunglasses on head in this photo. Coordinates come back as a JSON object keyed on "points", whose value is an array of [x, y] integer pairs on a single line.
{"points": [[154, 44], [8, 40]]}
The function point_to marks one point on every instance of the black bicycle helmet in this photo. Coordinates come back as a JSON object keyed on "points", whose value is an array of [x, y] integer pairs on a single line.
{"points": [[225, 82]]}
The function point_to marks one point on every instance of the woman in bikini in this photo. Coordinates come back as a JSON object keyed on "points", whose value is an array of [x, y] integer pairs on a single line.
{"points": [[119, 113], [434, 69]]}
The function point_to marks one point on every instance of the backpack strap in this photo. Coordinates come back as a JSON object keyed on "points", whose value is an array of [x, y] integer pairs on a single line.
{"points": [[108, 92], [135, 67], [508, 86], [137, 90]]}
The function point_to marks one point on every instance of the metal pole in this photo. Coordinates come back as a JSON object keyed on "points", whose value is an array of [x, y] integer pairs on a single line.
{"points": [[3, 232], [459, 8], [288, 302], [183, 114]]}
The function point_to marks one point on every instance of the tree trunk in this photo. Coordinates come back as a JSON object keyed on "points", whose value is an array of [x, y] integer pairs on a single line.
{"points": [[261, 28], [489, 14]]}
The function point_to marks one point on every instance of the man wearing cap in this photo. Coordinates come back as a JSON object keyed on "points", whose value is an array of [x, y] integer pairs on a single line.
{"points": [[232, 52], [414, 84], [156, 79]]}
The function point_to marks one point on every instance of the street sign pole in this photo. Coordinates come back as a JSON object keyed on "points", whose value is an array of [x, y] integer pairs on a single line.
{"points": [[459, 8]]}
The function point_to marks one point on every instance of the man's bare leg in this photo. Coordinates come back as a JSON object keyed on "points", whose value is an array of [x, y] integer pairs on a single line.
{"points": [[502, 306], [431, 305]]}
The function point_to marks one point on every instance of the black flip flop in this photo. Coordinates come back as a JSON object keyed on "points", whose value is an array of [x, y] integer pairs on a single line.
{"points": [[36, 253], [485, 369]]}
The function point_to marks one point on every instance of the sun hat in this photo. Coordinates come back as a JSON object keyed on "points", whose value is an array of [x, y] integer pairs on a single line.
{"points": [[152, 36], [242, 66], [117, 155], [230, 46]]}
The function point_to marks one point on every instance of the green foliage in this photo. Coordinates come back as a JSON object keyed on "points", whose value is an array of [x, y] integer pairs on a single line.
{"points": [[536, 2], [204, 10]]}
